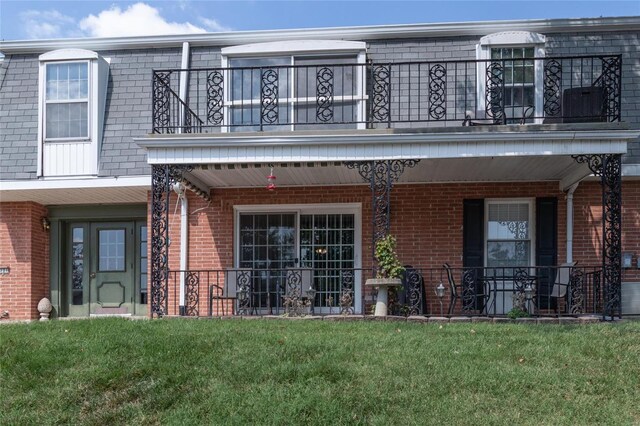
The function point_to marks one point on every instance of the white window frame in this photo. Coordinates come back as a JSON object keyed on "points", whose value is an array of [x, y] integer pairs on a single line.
{"points": [[299, 209], [532, 224], [97, 75], [512, 39], [87, 100], [298, 48]]}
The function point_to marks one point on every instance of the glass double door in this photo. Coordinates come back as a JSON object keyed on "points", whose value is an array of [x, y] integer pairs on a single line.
{"points": [[106, 268], [272, 242]]}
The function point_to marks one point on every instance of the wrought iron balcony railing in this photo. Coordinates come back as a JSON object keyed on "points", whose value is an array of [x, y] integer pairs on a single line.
{"points": [[490, 291], [385, 95]]}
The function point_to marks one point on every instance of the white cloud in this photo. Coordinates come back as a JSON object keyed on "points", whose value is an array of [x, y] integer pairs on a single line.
{"points": [[213, 25], [137, 19], [45, 24]]}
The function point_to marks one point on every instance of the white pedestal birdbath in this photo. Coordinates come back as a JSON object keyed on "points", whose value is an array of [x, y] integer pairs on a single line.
{"points": [[382, 284]]}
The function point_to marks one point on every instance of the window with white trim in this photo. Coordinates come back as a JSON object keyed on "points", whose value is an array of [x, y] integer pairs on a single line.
{"points": [[509, 233], [67, 100], [522, 76], [301, 85], [72, 91]]}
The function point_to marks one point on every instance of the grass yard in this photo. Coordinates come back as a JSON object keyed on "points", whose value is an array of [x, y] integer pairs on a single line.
{"points": [[112, 371]]}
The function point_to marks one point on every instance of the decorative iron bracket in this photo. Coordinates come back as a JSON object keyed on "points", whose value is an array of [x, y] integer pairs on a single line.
{"points": [[381, 174], [609, 168]]}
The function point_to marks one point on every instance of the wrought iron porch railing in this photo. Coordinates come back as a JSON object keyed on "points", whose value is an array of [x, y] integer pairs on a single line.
{"points": [[529, 291], [385, 95]]}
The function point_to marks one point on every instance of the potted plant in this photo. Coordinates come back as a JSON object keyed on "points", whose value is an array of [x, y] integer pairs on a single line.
{"points": [[388, 275]]}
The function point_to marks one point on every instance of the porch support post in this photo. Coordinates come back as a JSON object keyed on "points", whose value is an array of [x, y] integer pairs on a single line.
{"points": [[163, 176], [380, 174], [609, 168], [159, 239]]}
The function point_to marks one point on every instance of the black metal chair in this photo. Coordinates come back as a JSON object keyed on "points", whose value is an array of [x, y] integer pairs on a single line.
{"points": [[471, 282], [412, 296], [453, 289]]}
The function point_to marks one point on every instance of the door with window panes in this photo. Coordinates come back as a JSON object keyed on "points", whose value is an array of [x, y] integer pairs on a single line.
{"points": [[106, 264], [269, 243]]}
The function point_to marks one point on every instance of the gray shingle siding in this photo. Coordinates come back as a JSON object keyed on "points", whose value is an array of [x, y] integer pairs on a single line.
{"points": [[128, 108], [128, 104]]}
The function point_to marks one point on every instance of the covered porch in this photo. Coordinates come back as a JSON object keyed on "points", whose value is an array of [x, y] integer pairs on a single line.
{"points": [[418, 186]]}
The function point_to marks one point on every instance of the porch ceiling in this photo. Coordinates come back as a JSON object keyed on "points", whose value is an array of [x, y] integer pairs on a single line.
{"points": [[489, 169]]}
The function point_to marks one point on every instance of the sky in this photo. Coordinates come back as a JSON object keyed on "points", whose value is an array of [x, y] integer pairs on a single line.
{"points": [[22, 20]]}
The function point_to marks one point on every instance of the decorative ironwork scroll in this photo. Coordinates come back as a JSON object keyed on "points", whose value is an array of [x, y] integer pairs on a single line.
{"points": [[324, 94], [294, 302], [414, 290], [494, 92], [347, 292], [609, 168], [269, 97], [469, 299], [215, 97], [160, 102], [192, 293], [552, 88], [162, 177], [576, 291], [437, 91], [381, 88], [611, 83], [381, 174], [521, 280], [243, 288]]}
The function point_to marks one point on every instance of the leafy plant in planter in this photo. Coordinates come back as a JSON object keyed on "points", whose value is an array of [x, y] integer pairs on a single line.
{"points": [[517, 312], [389, 265]]}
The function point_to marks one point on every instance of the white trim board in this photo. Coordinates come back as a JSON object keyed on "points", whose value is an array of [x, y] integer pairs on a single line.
{"points": [[447, 29], [100, 182], [384, 150]]}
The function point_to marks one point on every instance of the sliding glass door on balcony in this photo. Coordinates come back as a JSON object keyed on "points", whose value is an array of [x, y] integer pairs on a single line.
{"points": [[271, 243]]}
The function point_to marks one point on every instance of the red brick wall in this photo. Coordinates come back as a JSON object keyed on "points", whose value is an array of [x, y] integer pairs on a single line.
{"points": [[587, 216], [425, 218], [24, 247]]}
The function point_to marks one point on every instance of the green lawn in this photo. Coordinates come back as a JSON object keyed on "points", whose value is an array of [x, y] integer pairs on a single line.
{"points": [[112, 371]]}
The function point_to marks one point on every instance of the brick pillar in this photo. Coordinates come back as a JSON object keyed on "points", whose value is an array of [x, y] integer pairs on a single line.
{"points": [[24, 247]]}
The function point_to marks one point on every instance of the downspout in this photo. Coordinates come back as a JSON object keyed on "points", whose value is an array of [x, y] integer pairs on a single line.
{"points": [[184, 85], [570, 192], [181, 190]]}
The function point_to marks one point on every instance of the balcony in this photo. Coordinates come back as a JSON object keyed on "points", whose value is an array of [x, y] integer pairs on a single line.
{"points": [[330, 96]]}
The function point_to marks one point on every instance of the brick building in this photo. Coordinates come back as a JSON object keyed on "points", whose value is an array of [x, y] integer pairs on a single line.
{"points": [[245, 172]]}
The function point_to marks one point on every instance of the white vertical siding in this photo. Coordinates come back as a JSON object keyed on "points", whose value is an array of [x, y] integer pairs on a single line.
{"points": [[68, 159]]}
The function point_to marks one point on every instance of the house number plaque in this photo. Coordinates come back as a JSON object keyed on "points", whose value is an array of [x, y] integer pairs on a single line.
{"points": [[4, 270]]}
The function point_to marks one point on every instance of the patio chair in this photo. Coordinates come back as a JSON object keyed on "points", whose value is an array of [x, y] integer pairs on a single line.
{"points": [[453, 289], [229, 292], [479, 296], [561, 283], [301, 276]]}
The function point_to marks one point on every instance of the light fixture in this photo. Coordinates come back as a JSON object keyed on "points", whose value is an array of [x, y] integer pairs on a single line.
{"points": [[46, 224], [440, 294], [528, 292], [271, 186]]}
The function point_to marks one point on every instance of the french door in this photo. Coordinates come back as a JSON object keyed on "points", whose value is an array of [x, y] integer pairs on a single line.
{"points": [[328, 242]]}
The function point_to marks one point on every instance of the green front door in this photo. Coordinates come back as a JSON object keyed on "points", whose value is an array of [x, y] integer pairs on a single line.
{"points": [[112, 267]]}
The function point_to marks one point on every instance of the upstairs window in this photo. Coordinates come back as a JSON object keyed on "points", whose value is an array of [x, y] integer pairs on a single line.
{"points": [[67, 101], [509, 79], [72, 100], [294, 85], [519, 79]]}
